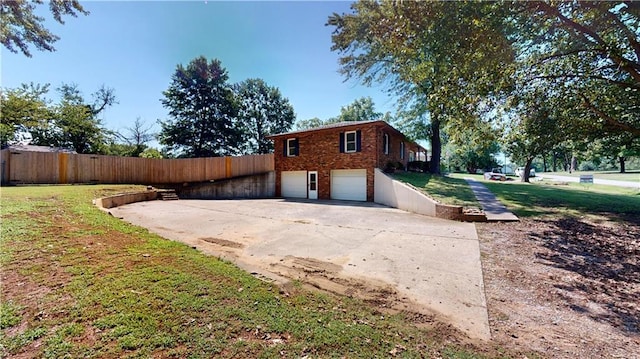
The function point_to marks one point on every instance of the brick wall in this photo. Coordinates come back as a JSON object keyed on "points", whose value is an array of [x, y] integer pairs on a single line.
{"points": [[395, 139], [320, 151]]}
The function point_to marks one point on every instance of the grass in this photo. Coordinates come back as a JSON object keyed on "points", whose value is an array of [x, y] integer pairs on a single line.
{"points": [[542, 198], [631, 176], [447, 190], [81, 283]]}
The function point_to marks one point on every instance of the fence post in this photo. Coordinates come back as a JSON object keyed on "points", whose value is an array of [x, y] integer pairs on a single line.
{"points": [[227, 166], [63, 159]]}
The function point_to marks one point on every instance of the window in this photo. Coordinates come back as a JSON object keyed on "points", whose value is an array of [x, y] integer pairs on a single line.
{"points": [[291, 148], [350, 141], [402, 150], [386, 143]]}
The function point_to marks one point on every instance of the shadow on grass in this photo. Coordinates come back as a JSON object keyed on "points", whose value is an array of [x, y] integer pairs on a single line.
{"points": [[534, 200], [606, 259]]}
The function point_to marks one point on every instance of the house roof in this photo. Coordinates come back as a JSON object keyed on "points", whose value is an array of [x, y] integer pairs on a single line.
{"points": [[339, 125], [327, 127], [33, 148]]}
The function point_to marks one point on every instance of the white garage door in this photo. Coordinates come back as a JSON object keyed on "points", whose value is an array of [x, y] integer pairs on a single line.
{"points": [[294, 184], [349, 185]]}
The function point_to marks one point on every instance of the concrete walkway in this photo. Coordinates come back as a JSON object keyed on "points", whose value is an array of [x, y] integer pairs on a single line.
{"points": [[407, 261], [494, 210]]}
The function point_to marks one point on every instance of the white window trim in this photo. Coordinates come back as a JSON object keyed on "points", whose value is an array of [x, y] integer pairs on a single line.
{"points": [[402, 150], [386, 143], [355, 142], [290, 148]]}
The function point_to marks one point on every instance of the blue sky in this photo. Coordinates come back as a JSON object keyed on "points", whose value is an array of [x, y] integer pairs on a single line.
{"points": [[134, 47]]}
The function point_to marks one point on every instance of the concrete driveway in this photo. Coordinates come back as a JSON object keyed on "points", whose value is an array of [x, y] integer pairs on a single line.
{"points": [[384, 255]]}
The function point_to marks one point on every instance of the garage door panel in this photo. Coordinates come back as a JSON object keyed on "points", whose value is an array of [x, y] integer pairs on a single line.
{"points": [[349, 185], [294, 184]]}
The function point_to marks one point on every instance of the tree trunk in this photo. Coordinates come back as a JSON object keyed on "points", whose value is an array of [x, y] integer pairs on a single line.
{"points": [[622, 164], [436, 146], [544, 163], [555, 162], [574, 164], [527, 169]]}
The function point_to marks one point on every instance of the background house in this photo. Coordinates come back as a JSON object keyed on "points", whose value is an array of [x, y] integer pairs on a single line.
{"points": [[337, 161]]}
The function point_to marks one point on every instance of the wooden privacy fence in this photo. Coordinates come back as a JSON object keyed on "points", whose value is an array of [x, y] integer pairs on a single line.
{"points": [[60, 168]]}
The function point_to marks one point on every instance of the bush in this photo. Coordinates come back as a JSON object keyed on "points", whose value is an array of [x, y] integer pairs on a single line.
{"points": [[587, 166], [417, 166]]}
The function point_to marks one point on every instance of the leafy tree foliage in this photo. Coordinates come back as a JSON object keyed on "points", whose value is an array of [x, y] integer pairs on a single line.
{"points": [[535, 125], [150, 152], [362, 109], [477, 150], [73, 123], [589, 46], [589, 54], [203, 111], [309, 123], [22, 108], [20, 27], [441, 56], [263, 111]]}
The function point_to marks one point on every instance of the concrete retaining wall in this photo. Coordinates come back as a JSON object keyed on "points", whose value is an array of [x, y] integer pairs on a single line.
{"points": [[392, 193], [256, 186], [125, 198], [396, 194]]}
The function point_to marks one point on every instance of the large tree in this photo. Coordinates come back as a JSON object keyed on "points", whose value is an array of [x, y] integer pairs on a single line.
{"points": [[203, 110], [20, 27], [444, 57], [536, 122], [75, 123], [29, 117], [22, 109], [592, 48], [263, 111]]}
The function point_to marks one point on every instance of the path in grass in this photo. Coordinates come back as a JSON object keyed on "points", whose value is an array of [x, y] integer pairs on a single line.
{"points": [[541, 198]]}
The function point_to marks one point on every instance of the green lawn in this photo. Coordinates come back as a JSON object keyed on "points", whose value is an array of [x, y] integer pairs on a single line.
{"points": [[553, 198], [632, 176], [80, 283], [448, 190]]}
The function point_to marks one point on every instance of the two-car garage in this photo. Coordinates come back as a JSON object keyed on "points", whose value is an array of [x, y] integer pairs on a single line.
{"points": [[350, 185]]}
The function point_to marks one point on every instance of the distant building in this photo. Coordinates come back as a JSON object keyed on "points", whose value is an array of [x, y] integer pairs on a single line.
{"points": [[32, 148]]}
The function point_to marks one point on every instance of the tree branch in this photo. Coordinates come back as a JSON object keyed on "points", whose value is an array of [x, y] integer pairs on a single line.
{"points": [[624, 63], [609, 121], [593, 77]]}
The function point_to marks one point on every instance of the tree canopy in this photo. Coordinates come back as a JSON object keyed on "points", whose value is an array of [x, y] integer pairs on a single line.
{"points": [[210, 117], [27, 116], [440, 56], [361, 109], [20, 27], [263, 111], [459, 65], [202, 109]]}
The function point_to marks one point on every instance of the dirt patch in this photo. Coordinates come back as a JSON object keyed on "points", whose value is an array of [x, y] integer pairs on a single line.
{"points": [[566, 288], [326, 276], [222, 242]]}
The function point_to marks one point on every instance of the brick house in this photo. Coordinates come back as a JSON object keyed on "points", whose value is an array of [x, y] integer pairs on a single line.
{"points": [[337, 161]]}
